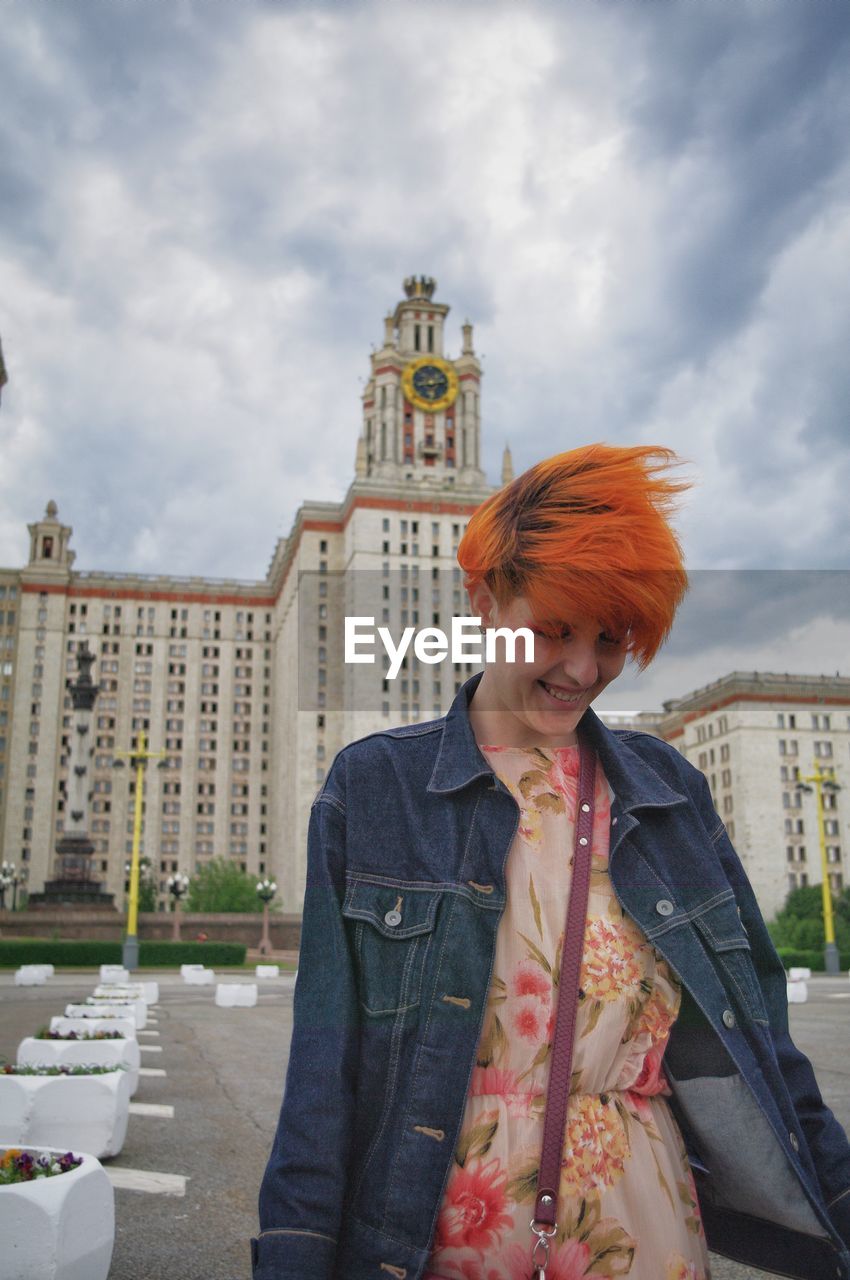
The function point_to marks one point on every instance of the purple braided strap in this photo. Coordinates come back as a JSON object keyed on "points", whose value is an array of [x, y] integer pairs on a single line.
{"points": [[557, 1098]]}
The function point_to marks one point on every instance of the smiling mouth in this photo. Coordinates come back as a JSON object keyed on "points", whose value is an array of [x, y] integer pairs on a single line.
{"points": [[568, 699]]}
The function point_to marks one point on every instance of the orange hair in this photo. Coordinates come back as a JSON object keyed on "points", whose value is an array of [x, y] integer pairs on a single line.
{"points": [[586, 532]]}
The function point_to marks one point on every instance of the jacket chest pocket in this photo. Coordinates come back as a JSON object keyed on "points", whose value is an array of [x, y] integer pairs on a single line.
{"points": [[726, 938], [392, 927]]}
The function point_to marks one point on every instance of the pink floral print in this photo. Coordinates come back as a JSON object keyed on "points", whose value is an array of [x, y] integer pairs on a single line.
{"points": [[627, 1201]]}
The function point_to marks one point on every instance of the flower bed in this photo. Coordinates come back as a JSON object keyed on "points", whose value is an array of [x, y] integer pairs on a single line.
{"points": [[54, 1227], [106, 1022], [109, 1001], [65, 1106], [127, 991], [137, 1010], [104, 1049], [46, 1034]]}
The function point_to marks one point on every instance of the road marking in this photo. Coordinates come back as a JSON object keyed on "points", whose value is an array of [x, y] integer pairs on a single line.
{"points": [[147, 1033], [152, 1022], [165, 1184], [150, 1048], [839, 995], [161, 1109], [152, 1071]]}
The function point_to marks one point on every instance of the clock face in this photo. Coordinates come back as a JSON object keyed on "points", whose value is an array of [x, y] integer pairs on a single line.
{"points": [[430, 383]]}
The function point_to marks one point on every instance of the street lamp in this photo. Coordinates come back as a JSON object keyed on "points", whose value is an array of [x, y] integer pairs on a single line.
{"points": [[7, 879], [138, 758], [178, 887], [822, 780], [19, 878], [266, 889]]}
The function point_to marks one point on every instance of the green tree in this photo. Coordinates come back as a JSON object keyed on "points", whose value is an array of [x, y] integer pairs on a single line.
{"points": [[800, 922], [220, 885], [147, 893], [147, 885]]}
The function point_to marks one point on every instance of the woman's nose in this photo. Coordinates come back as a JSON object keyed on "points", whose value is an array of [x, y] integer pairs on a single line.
{"points": [[580, 663]]}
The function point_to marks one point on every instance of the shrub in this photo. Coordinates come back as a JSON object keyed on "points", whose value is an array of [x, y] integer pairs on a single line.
{"points": [[796, 959], [221, 885], [799, 925], [176, 953], [84, 955]]}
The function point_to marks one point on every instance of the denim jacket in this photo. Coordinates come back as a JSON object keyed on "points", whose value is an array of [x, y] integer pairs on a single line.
{"points": [[405, 889]]}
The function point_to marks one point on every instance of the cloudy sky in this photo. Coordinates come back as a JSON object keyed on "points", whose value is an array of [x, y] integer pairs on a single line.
{"points": [[643, 206]]}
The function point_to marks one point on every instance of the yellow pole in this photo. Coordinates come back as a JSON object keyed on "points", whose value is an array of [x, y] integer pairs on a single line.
{"points": [[828, 921], [133, 905], [831, 957], [138, 757]]}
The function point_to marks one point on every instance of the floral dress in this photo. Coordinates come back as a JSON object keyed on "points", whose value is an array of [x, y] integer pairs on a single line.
{"points": [[627, 1203]]}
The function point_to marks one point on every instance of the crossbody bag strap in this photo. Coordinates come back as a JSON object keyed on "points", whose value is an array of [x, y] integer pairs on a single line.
{"points": [[543, 1224]]}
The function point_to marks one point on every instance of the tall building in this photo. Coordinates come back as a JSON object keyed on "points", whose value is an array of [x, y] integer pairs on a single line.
{"points": [[755, 735], [243, 683]]}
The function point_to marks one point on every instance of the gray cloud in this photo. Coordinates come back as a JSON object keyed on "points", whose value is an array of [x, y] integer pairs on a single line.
{"points": [[207, 209]]}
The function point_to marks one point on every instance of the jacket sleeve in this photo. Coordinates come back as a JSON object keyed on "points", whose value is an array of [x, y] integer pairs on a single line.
{"points": [[826, 1139], [302, 1190]]}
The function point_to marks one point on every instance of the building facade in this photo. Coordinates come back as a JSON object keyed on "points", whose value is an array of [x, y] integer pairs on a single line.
{"points": [[242, 683], [755, 735]]}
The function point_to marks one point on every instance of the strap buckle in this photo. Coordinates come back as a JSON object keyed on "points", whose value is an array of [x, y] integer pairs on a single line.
{"points": [[540, 1251]]}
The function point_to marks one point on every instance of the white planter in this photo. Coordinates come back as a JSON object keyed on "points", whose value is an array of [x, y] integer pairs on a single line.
{"points": [[147, 991], [100, 1053], [127, 1026], [267, 971], [137, 1010], [30, 975], [60, 1228], [73, 1113], [130, 992], [798, 992], [114, 973], [799, 975], [239, 995], [199, 977]]}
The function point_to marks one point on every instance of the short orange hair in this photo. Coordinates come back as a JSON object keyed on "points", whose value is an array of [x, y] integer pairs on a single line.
{"points": [[586, 531]]}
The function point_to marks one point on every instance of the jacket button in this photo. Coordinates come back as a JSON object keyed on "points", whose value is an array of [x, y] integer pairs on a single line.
{"points": [[664, 907], [794, 1140], [392, 918], [728, 1018]]}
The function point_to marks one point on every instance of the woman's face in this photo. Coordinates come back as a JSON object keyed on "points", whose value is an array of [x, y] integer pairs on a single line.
{"points": [[541, 702]]}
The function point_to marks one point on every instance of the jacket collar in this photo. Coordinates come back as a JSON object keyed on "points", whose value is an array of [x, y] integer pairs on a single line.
{"points": [[635, 783]]}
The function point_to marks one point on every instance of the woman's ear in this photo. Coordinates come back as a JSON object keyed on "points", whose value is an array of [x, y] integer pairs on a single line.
{"points": [[483, 603]]}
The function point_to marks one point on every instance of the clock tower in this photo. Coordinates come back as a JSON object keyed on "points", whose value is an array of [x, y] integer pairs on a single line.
{"points": [[421, 410]]}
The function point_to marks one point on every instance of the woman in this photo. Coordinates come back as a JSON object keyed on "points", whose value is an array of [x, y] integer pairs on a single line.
{"points": [[439, 871]]}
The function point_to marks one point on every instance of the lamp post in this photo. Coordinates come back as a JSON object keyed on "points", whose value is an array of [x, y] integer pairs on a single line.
{"points": [[822, 780], [178, 887], [19, 878], [266, 889], [7, 879], [138, 758]]}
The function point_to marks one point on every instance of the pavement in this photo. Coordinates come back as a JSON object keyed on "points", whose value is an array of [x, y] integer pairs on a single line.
{"points": [[224, 1078]]}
